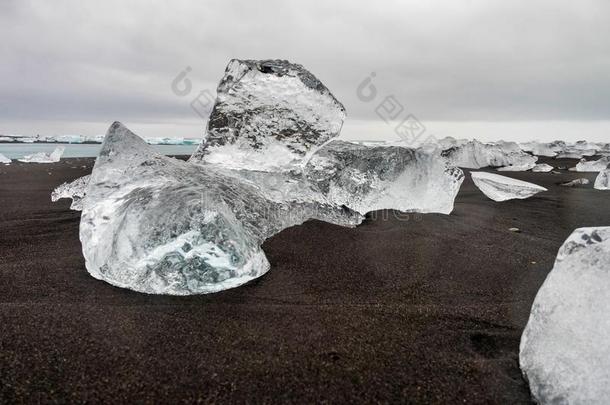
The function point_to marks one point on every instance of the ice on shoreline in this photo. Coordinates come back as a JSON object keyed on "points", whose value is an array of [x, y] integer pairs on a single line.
{"points": [[476, 155], [42, 157], [4, 159], [565, 351], [268, 115], [592, 165], [76, 190], [602, 181], [502, 188], [164, 226]]}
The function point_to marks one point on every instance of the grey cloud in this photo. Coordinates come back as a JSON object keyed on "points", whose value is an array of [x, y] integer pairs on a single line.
{"points": [[444, 60]]}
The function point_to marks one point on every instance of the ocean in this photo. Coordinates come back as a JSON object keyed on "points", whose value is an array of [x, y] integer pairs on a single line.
{"points": [[18, 150]]}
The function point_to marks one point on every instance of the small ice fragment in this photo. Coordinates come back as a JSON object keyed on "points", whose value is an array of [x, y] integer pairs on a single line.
{"points": [[42, 157], [502, 188], [542, 168], [575, 182], [602, 181], [75, 190]]}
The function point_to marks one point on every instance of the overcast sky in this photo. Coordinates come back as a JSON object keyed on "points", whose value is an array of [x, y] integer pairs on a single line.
{"points": [[491, 69]]}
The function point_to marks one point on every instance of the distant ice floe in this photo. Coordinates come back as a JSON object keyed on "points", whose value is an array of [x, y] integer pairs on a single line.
{"points": [[85, 139], [164, 226], [565, 350], [4, 159], [502, 188], [43, 157], [602, 181]]}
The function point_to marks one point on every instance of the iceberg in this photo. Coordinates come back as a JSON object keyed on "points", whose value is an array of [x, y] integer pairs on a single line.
{"points": [[565, 350], [542, 168], [42, 157], [602, 181], [592, 165], [475, 155], [366, 179], [75, 190], [268, 115], [159, 225], [502, 188], [4, 159]]}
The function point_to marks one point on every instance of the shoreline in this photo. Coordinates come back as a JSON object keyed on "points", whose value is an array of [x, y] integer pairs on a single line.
{"points": [[425, 310]]}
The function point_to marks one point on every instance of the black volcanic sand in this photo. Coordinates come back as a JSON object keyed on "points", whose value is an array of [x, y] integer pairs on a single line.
{"points": [[428, 308]]}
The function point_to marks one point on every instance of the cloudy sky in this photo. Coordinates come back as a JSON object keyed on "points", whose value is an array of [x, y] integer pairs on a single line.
{"points": [[488, 69]]}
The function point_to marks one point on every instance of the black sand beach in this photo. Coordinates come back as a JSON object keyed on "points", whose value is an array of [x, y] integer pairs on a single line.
{"points": [[428, 309]]}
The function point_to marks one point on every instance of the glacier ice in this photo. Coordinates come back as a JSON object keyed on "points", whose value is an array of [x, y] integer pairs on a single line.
{"points": [[4, 159], [268, 115], [542, 168], [75, 190], [42, 157], [602, 181], [592, 165], [502, 188], [475, 155], [565, 349], [160, 225], [367, 178]]}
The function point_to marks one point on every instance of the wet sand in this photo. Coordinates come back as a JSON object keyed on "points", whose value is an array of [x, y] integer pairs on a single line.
{"points": [[420, 309]]}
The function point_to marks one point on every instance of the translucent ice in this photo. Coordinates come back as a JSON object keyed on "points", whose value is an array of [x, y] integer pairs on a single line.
{"points": [[502, 188], [268, 115], [160, 225], [565, 349], [4, 159], [75, 190], [602, 181], [475, 155], [367, 178], [42, 157]]}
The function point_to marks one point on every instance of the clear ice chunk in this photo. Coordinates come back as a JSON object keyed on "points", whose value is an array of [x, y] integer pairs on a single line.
{"points": [[269, 115], [159, 225], [502, 188], [4, 159], [602, 181], [475, 155], [75, 190], [565, 350], [366, 178], [43, 157]]}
